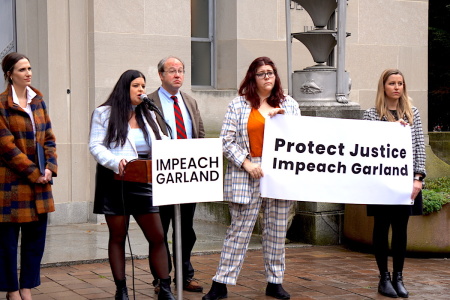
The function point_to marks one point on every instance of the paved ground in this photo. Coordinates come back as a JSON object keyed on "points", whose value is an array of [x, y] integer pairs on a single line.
{"points": [[312, 272]]}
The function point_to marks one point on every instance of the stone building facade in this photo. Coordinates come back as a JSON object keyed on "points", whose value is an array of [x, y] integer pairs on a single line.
{"points": [[78, 49]]}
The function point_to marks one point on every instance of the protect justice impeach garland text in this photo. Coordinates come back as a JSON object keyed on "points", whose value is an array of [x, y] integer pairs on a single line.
{"points": [[383, 151]]}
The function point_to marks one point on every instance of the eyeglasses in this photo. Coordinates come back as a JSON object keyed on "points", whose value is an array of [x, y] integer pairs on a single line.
{"points": [[263, 75], [173, 71]]}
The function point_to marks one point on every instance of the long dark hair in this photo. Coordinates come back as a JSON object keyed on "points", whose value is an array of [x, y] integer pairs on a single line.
{"points": [[248, 85], [121, 108]]}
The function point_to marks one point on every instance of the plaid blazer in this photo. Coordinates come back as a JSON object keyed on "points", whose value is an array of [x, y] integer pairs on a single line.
{"points": [[418, 142], [21, 200], [236, 147]]}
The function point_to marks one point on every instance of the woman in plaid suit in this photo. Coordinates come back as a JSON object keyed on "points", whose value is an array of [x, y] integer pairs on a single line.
{"points": [[261, 96], [25, 191], [122, 129], [393, 105]]}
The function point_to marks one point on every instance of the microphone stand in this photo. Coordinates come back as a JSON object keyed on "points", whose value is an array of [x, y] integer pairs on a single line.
{"points": [[151, 106], [177, 216]]}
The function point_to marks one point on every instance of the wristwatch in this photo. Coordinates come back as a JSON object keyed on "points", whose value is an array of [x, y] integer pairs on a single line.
{"points": [[420, 178]]}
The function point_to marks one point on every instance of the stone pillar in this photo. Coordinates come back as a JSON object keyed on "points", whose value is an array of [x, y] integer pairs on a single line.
{"points": [[317, 223], [322, 91]]}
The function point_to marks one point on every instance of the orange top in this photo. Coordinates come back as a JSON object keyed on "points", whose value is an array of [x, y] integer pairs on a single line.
{"points": [[255, 129]]}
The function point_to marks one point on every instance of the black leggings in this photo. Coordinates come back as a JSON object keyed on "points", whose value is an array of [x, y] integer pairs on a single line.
{"points": [[398, 243], [151, 227]]}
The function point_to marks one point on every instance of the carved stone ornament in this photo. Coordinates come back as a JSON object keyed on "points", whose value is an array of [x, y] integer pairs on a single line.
{"points": [[310, 87]]}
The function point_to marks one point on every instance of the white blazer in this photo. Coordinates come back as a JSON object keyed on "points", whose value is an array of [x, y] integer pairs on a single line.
{"points": [[110, 157]]}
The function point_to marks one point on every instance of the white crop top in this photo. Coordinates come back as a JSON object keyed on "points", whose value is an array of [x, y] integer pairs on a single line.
{"points": [[141, 145]]}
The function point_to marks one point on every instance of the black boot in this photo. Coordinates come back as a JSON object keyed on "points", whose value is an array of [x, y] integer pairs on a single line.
{"points": [[276, 291], [385, 287], [121, 290], [164, 290], [218, 291], [397, 283]]}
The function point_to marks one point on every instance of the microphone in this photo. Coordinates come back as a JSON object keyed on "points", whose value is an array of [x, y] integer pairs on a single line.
{"points": [[151, 106], [148, 102]]}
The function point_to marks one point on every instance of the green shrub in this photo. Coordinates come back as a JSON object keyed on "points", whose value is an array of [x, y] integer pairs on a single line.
{"points": [[435, 194], [439, 185]]}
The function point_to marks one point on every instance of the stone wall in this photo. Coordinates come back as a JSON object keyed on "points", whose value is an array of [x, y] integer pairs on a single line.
{"points": [[79, 48], [440, 143], [427, 234]]}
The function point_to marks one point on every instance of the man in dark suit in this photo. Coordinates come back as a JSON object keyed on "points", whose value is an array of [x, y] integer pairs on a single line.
{"points": [[172, 102]]}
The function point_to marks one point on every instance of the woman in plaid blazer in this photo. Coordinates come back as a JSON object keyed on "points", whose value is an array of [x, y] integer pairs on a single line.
{"points": [[25, 190], [261, 96], [393, 105]]}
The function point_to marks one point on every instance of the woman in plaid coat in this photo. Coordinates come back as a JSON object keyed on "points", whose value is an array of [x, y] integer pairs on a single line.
{"points": [[261, 96], [393, 105], [25, 190]]}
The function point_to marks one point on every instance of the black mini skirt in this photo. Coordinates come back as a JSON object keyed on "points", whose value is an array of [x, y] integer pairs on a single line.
{"points": [[117, 197]]}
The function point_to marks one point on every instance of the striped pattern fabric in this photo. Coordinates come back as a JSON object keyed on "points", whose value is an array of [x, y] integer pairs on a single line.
{"points": [[418, 141], [198, 130], [21, 200], [181, 130]]}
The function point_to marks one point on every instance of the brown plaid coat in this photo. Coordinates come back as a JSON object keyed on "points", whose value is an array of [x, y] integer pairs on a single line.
{"points": [[21, 200]]}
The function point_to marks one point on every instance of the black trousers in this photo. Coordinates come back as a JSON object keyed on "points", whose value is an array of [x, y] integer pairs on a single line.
{"points": [[381, 226], [188, 237], [32, 246]]}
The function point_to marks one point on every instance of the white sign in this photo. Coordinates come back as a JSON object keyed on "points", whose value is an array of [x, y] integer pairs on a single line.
{"points": [[337, 160], [187, 171]]}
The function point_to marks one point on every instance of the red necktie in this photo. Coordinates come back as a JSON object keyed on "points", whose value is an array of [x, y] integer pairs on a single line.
{"points": [[181, 130]]}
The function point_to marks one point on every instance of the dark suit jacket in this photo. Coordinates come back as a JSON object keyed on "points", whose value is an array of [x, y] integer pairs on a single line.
{"points": [[198, 130]]}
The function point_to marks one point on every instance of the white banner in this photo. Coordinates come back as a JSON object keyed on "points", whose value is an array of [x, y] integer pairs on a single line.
{"points": [[337, 160], [187, 171]]}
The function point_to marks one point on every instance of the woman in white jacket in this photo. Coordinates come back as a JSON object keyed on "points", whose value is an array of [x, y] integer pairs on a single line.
{"points": [[122, 129]]}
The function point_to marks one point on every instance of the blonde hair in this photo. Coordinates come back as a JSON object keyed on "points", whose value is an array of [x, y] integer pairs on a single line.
{"points": [[404, 107]]}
